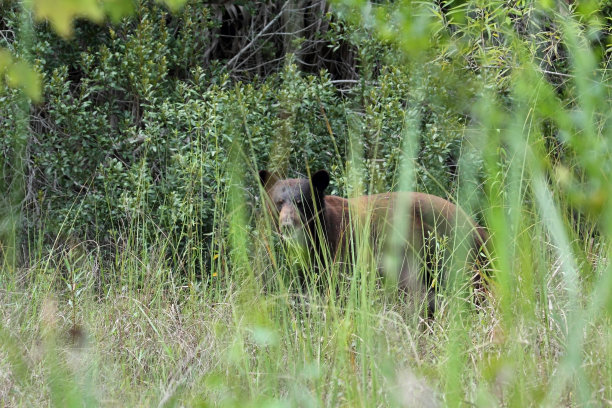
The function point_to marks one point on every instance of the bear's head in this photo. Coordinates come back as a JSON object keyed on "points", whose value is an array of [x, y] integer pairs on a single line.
{"points": [[295, 203]]}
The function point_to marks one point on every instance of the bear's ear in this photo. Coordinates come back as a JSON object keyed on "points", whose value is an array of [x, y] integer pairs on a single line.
{"points": [[267, 179], [320, 180]]}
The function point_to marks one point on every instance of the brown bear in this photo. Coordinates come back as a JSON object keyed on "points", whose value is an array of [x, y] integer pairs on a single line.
{"points": [[326, 224]]}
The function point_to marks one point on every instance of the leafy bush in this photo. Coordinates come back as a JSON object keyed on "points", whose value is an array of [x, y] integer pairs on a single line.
{"points": [[137, 123], [134, 129]]}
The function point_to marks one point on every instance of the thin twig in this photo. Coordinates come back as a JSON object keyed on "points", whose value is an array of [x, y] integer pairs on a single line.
{"points": [[232, 61]]}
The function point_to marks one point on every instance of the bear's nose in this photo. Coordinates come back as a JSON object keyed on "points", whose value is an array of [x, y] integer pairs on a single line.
{"points": [[287, 219]]}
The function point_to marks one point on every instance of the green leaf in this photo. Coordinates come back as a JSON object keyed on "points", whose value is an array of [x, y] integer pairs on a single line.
{"points": [[117, 9], [19, 74], [60, 13], [174, 4]]}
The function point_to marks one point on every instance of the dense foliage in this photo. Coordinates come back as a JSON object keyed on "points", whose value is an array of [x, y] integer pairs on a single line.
{"points": [[139, 116]]}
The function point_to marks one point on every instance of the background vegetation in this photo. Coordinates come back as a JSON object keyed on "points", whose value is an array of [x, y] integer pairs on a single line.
{"points": [[137, 270]]}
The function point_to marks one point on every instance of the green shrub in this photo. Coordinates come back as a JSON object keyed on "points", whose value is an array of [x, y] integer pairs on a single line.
{"points": [[137, 125]]}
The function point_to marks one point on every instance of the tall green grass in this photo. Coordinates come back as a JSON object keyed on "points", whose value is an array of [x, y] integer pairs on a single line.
{"points": [[230, 324]]}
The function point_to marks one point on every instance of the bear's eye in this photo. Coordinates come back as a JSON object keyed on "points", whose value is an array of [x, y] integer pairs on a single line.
{"points": [[278, 203]]}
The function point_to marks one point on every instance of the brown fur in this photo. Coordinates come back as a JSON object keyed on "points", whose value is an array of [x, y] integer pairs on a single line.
{"points": [[299, 203]]}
